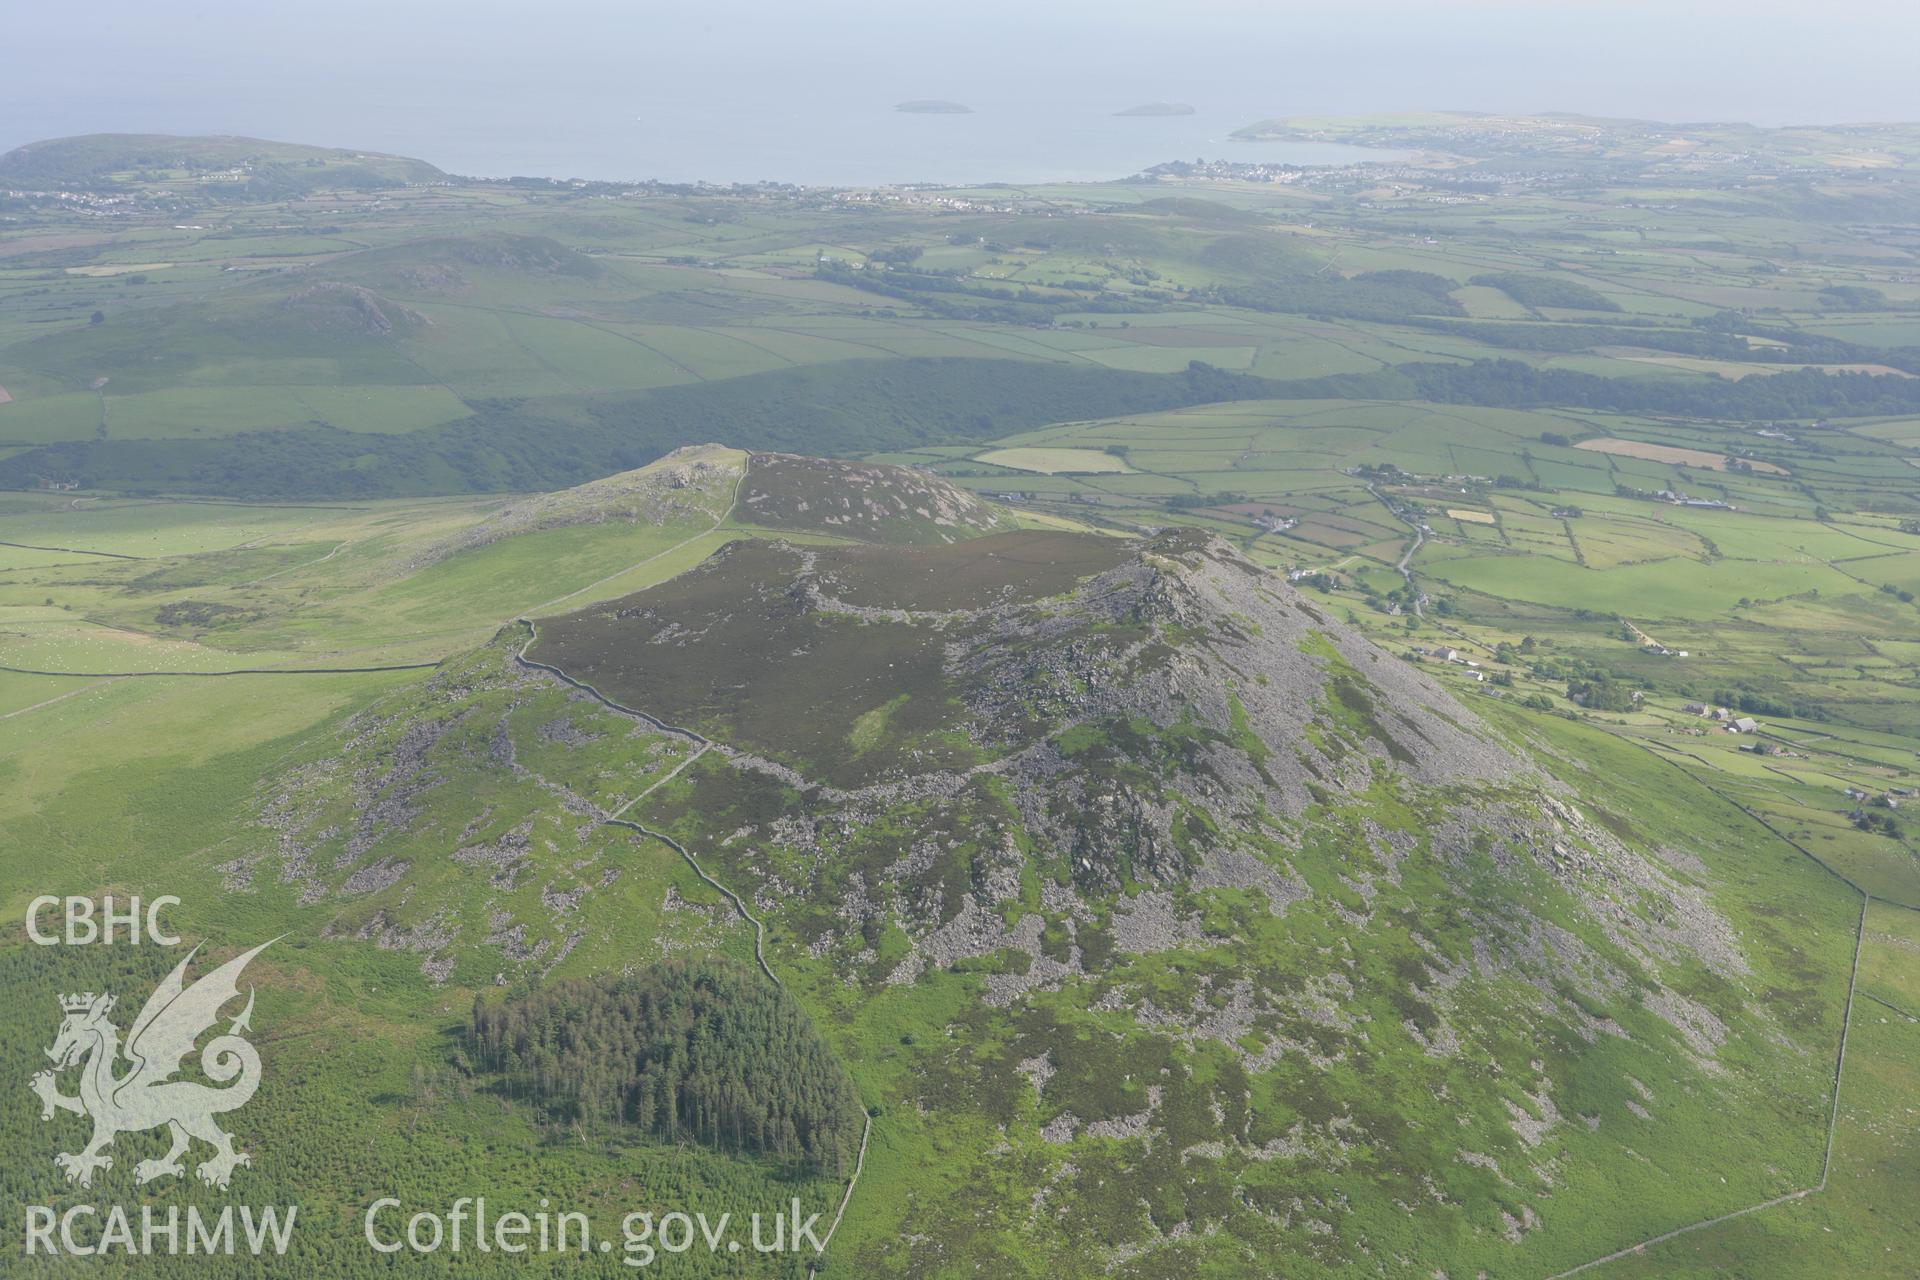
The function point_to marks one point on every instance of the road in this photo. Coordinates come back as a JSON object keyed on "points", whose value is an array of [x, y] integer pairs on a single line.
{"points": [[1406, 557]]}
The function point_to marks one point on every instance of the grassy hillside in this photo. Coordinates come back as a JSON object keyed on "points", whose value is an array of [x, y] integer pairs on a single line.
{"points": [[1059, 952], [249, 168]]}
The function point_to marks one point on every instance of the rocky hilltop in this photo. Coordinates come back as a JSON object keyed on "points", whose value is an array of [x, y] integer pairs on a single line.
{"points": [[873, 502], [696, 481], [1183, 921]]}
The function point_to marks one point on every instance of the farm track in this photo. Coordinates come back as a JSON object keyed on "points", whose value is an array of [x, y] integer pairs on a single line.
{"points": [[732, 505], [655, 786], [71, 693], [305, 564]]}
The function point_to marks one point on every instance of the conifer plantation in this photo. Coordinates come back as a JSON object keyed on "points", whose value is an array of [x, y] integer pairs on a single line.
{"points": [[700, 1050]]}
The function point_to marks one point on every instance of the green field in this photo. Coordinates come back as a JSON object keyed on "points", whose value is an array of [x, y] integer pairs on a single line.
{"points": [[1054, 461]]}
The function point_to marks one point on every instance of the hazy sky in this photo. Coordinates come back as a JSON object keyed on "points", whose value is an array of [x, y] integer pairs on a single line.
{"points": [[491, 88]]}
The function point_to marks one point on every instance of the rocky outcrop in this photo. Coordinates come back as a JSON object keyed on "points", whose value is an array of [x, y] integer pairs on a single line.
{"points": [[692, 483], [873, 502], [350, 308]]}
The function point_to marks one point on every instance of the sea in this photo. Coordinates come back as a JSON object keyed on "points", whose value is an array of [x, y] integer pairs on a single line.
{"points": [[750, 90], [866, 143]]}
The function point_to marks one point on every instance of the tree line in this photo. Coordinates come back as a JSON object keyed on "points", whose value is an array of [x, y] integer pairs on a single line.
{"points": [[1513, 384]]}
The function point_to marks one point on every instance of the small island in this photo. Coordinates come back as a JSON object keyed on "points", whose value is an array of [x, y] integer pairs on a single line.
{"points": [[934, 107], [1158, 109]]}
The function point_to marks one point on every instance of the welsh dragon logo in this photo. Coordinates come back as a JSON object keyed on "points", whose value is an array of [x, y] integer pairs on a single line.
{"points": [[145, 1096]]}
